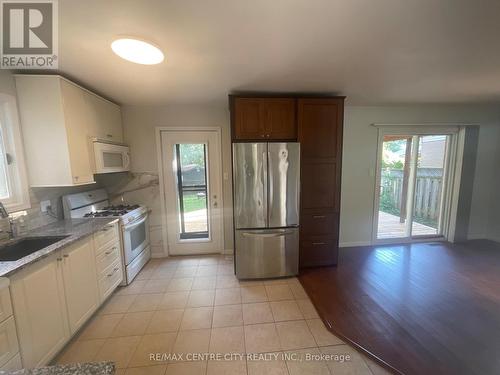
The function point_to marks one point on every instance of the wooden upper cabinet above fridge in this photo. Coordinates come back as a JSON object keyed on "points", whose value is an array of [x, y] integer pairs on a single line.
{"points": [[256, 119]]}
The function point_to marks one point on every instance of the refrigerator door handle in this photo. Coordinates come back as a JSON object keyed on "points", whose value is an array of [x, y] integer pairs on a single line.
{"points": [[267, 235], [265, 181], [270, 187]]}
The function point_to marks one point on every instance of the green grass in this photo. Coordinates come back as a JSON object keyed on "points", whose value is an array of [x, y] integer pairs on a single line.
{"points": [[193, 203]]}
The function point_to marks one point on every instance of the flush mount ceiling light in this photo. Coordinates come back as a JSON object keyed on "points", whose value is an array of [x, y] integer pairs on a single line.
{"points": [[137, 51]]}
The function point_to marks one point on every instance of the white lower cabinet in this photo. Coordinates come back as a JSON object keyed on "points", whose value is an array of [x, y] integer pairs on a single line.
{"points": [[9, 346], [53, 297], [14, 364], [80, 283], [40, 310]]}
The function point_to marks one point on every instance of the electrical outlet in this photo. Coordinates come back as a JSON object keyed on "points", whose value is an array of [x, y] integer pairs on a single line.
{"points": [[44, 206]]}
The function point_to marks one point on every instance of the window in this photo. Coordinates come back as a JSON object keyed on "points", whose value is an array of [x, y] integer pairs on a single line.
{"points": [[191, 160], [14, 193]]}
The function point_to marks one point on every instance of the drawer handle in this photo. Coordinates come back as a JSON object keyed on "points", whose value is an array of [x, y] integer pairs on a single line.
{"points": [[112, 273], [110, 251], [319, 216], [104, 229], [318, 243]]}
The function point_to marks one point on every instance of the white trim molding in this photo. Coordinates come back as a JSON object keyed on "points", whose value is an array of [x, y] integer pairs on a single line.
{"points": [[159, 154], [15, 169]]}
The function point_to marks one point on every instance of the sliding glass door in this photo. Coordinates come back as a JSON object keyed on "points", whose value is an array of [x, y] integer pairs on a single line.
{"points": [[412, 184]]}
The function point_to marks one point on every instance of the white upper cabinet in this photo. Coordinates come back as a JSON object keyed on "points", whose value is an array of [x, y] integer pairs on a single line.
{"points": [[106, 118], [59, 120]]}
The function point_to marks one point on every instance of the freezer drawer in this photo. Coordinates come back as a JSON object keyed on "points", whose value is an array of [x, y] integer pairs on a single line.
{"points": [[266, 253]]}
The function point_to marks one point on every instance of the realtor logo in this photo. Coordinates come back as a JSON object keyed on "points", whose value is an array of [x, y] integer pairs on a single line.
{"points": [[29, 34]]}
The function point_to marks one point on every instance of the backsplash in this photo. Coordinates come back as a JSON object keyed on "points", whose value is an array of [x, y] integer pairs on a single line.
{"points": [[33, 217], [139, 188], [134, 188]]}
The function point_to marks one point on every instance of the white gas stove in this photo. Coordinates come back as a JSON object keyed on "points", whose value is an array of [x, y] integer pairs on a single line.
{"points": [[134, 225]]}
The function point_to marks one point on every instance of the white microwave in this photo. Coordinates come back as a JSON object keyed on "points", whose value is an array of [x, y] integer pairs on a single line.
{"points": [[111, 157]]}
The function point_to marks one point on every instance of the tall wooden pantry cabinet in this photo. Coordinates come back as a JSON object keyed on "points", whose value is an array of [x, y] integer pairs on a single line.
{"points": [[316, 121]]}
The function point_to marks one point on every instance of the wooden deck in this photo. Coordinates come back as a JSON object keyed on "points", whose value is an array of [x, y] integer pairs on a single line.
{"points": [[427, 308], [390, 227]]}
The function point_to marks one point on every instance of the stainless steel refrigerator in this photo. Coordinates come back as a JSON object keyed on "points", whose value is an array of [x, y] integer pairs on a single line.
{"points": [[266, 178]]}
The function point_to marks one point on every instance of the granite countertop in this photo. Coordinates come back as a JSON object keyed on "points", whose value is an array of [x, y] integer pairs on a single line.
{"points": [[91, 368], [75, 229]]}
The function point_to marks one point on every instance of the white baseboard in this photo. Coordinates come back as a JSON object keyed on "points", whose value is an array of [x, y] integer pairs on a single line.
{"points": [[355, 244]]}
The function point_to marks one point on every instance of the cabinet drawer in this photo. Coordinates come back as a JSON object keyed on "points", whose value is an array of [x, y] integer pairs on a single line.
{"points": [[108, 256], [318, 251], [319, 224], [5, 304], [110, 278], [104, 236], [9, 346]]}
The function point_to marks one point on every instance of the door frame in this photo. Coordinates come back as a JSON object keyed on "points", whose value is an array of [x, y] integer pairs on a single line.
{"points": [[452, 177], [161, 176]]}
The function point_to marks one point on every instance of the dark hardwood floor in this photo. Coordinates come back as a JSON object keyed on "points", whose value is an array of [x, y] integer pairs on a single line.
{"points": [[430, 308]]}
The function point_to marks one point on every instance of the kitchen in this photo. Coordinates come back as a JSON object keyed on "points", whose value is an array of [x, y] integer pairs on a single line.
{"points": [[200, 188]]}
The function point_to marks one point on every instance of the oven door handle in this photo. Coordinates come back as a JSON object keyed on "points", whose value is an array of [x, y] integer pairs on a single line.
{"points": [[135, 223]]}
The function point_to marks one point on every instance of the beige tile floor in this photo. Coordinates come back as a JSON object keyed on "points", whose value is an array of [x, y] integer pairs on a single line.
{"points": [[187, 305]]}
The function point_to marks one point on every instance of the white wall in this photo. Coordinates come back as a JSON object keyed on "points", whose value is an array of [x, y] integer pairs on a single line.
{"points": [[139, 129], [359, 162], [359, 159]]}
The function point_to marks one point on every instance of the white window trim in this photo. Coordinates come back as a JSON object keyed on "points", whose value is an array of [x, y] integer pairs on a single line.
{"points": [[454, 165], [11, 131]]}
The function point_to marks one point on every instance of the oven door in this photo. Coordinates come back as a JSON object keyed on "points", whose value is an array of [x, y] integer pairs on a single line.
{"points": [[111, 158], [135, 237]]}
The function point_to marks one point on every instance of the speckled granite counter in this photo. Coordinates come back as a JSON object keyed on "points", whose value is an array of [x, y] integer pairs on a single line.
{"points": [[91, 368], [75, 229]]}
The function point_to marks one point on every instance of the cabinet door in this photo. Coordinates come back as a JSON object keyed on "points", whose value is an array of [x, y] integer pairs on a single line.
{"points": [[320, 131], [8, 341], [106, 118], [77, 120], [248, 119], [40, 310], [279, 118], [319, 187], [80, 283]]}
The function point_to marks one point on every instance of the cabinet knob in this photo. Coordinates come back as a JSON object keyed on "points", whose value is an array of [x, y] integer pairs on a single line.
{"points": [[267, 135], [109, 135], [66, 255], [59, 259], [262, 135]]}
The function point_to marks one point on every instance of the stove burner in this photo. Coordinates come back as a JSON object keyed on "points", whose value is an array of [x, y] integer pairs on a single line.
{"points": [[121, 207], [107, 212]]}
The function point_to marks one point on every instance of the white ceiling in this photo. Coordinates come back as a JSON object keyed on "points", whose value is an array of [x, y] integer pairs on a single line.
{"points": [[373, 51]]}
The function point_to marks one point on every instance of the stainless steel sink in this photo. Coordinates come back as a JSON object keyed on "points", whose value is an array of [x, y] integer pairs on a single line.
{"points": [[25, 246]]}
